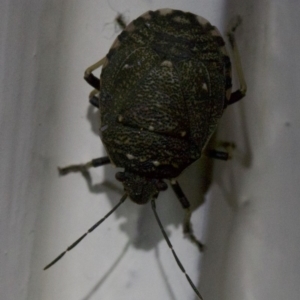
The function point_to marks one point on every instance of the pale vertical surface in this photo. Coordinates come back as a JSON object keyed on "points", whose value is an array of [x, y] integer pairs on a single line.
{"points": [[19, 159], [252, 251], [259, 257]]}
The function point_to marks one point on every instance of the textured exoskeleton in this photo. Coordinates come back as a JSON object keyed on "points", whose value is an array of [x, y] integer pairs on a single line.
{"points": [[163, 87]]}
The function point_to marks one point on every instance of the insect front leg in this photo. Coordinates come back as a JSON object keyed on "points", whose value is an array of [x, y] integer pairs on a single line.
{"points": [[83, 168], [90, 78], [241, 92], [84, 171], [187, 225]]}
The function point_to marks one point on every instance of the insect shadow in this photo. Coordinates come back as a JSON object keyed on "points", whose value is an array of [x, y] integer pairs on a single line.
{"points": [[107, 274]]}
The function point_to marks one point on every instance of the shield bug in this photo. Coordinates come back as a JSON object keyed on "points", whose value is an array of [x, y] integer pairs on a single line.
{"points": [[164, 85]]}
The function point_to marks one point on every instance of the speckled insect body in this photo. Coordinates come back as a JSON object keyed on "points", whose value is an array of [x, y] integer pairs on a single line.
{"points": [[163, 87]]}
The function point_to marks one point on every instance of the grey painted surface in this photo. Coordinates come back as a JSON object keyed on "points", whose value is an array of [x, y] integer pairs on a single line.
{"points": [[252, 246]]}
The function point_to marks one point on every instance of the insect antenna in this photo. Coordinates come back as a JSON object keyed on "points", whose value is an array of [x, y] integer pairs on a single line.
{"points": [[84, 235], [173, 251]]}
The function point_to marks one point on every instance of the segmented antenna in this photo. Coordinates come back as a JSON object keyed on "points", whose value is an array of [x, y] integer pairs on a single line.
{"points": [[84, 235], [173, 251]]}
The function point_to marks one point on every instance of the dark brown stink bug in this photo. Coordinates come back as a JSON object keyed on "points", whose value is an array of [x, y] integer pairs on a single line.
{"points": [[164, 85]]}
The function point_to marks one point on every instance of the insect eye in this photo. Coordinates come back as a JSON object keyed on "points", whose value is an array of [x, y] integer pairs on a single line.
{"points": [[120, 176], [161, 186]]}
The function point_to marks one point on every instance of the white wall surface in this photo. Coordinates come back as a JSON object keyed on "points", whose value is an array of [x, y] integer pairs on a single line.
{"points": [[45, 121]]}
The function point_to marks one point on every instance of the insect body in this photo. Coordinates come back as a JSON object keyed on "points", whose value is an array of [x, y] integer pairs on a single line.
{"points": [[163, 87]]}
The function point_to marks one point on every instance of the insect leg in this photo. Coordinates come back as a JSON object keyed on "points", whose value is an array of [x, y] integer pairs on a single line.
{"points": [[217, 154], [241, 92], [222, 155], [94, 98], [173, 251], [94, 163], [187, 225], [90, 77]]}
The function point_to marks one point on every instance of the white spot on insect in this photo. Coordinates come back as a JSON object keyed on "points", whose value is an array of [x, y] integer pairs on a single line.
{"points": [[165, 11], [156, 163], [120, 118], [215, 32], [173, 181], [116, 44], [183, 133], [204, 86], [103, 128], [151, 128], [127, 66], [130, 156], [146, 16], [130, 27], [181, 20], [202, 20], [167, 63]]}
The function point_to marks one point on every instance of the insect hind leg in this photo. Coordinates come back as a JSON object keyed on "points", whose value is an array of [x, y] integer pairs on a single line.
{"points": [[221, 155], [241, 92], [189, 232], [187, 224]]}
